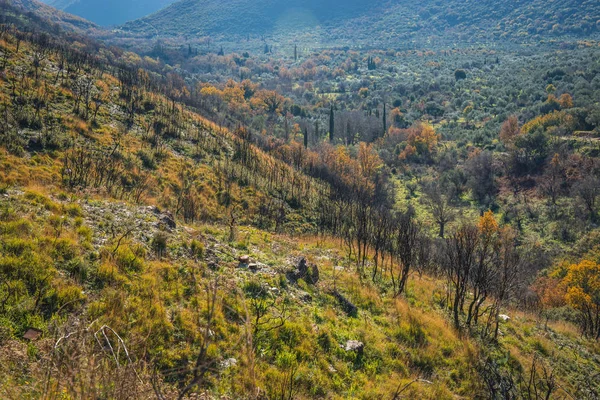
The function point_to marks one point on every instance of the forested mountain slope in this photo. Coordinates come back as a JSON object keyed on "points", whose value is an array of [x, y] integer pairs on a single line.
{"points": [[13, 8], [389, 21]]}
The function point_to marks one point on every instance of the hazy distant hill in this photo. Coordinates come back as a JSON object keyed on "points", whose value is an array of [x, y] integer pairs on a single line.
{"points": [[375, 21], [66, 21], [245, 16], [109, 12]]}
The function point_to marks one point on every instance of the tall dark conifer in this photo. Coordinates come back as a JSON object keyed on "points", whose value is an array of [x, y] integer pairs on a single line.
{"points": [[306, 138], [331, 124], [384, 120]]}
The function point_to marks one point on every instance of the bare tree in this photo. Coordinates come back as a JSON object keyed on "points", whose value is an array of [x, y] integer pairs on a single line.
{"points": [[459, 260], [439, 205], [406, 248]]}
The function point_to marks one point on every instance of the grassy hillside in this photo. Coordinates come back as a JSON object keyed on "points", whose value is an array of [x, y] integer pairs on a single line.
{"points": [[391, 23], [109, 12]]}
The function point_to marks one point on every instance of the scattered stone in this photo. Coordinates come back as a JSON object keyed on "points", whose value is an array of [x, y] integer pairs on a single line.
{"points": [[230, 362], [504, 317], [253, 267], [32, 334], [354, 345], [244, 262], [244, 259], [349, 308]]}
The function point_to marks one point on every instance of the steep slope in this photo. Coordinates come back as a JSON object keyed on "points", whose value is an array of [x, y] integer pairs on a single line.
{"points": [[109, 12], [387, 22], [69, 22]]}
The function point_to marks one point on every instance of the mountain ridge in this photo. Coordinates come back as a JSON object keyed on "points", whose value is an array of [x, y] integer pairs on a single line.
{"points": [[67, 21], [390, 21], [109, 12]]}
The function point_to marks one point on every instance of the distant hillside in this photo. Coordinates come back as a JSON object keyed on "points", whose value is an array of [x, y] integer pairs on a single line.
{"points": [[10, 8], [245, 17], [109, 12], [388, 21]]}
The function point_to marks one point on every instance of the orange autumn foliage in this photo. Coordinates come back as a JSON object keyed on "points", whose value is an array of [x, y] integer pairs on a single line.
{"points": [[422, 140]]}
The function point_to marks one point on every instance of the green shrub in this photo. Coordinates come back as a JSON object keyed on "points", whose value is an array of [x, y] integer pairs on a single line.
{"points": [[196, 249], [16, 247], [159, 244], [324, 340], [85, 233], [7, 330], [64, 250], [148, 159], [130, 259], [21, 228], [78, 269], [38, 198], [73, 210]]}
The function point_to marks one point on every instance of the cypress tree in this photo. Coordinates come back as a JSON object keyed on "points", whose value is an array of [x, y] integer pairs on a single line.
{"points": [[371, 64], [331, 124], [306, 138], [349, 133], [384, 120]]}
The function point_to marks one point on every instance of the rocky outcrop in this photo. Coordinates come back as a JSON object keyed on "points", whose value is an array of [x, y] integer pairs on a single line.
{"points": [[309, 274]]}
